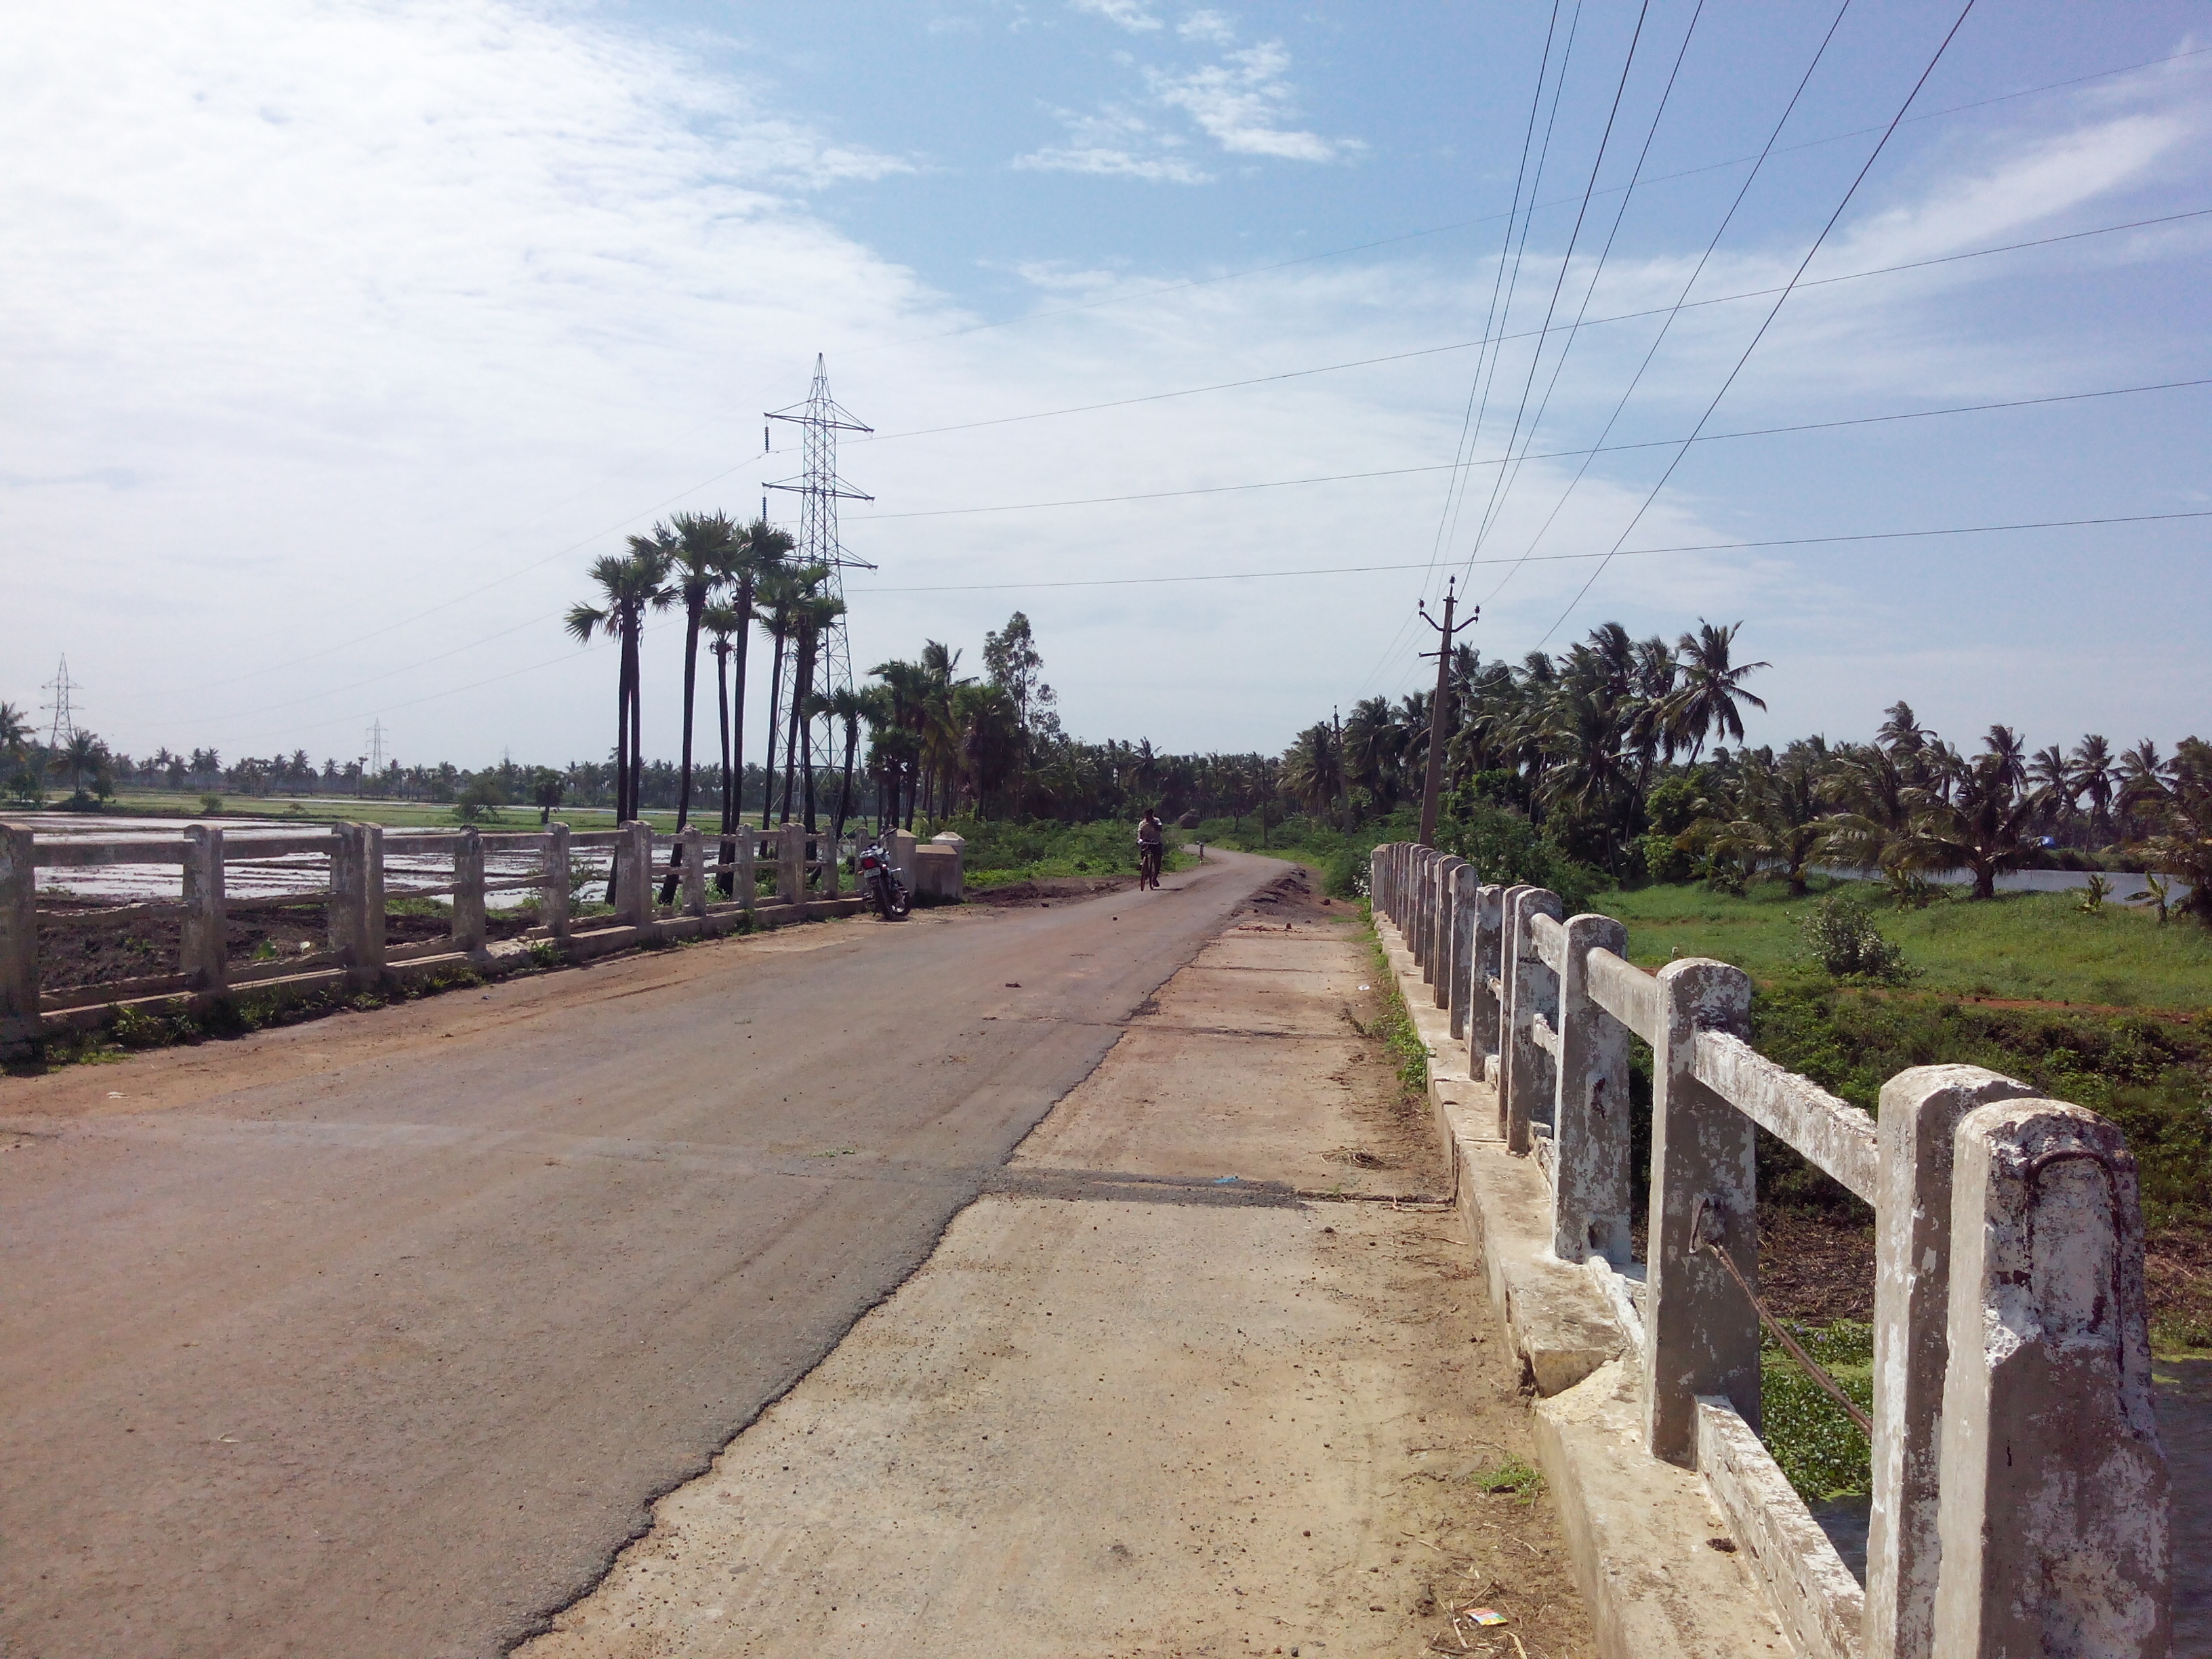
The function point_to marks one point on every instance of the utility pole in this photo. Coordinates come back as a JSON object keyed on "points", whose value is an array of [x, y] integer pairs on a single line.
{"points": [[1440, 709], [63, 730], [1343, 774]]}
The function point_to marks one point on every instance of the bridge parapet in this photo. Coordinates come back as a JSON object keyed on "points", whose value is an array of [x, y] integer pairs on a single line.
{"points": [[2020, 1490]]}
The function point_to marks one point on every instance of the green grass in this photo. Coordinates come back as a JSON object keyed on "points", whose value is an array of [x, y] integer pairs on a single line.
{"points": [[999, 854], [2031, 946]]}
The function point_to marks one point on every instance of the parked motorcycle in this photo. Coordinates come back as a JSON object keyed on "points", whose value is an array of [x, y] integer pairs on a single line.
{"points": [[880, 884]]}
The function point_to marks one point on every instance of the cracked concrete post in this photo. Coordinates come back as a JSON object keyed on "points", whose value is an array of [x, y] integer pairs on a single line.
{"points": [[1701, 1332], [633, 875], [1920, 1113], [1526, 1070], [1387, 895], [357, 900], [2054, 1517], [553, 903], [1416, 908], [791, 864], [1467, 890], [695, 871], [830, 860], [1446, 928], [206, 929], [1485, 1009], [18, 937], [1590, 1121], [1509, 946], [469, 891]]}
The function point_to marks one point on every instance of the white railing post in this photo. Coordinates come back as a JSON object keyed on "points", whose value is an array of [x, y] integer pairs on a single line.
{"points": [[18, 937], [1590, 1119], [206, 930], [829, 862], [1525, 1069], [633, 875], [1466, 889], [1510, 945], [1701, 1332], [748, 878], [1486, 1007], [553, 908], [1444, 931], [357, 899], [469, 891], [695, 870], [1920, 1113], [1415, 924], [791, 864], [2054, 1515], [1393, 859]]}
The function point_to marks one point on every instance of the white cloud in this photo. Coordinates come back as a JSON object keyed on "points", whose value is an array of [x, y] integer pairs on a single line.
{"points": [[1241, 103], [1130, 15], [1209, 26], [1115, 144]]}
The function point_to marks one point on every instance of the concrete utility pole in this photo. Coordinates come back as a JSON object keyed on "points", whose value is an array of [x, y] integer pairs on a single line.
{"points": [[1440, 709]]}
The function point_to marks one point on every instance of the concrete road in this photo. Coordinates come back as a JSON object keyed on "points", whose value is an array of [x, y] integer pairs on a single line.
{"points": [[378, 1335]]}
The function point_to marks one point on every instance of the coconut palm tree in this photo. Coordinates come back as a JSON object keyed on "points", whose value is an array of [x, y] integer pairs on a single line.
{"points": [[629, 586], [2095, 776], [1313, 769], [1711, 688], [2183, 845], [82, 755], [15, 735], [2143, 788], [1982, 825]]}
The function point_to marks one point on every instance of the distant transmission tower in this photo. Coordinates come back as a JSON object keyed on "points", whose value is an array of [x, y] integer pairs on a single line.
{"points": [[58, 690], [375, 741], [819, 489]]}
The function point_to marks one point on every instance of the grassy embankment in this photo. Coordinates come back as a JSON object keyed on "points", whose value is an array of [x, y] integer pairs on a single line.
{"points": [[999, 854]]}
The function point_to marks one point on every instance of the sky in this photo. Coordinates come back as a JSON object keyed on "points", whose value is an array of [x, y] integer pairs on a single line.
{"points": [[342, 337]]}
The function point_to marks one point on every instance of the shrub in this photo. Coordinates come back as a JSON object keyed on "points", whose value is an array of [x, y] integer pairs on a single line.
{"points": [[1842, 938], [211, 804]]}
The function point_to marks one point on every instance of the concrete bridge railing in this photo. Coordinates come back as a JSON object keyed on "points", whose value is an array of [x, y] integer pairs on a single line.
{"points": [[2020, 1490], [349, 869]]}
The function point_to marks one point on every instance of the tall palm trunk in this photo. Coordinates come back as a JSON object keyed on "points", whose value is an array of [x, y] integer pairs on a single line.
{"points": [[802, 680], [845, 789], [695, 602], [775, 706], [736, 809], [729, 808]]}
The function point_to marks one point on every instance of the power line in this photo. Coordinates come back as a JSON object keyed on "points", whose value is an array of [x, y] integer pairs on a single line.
{"points": [[1698, 270], [1860, 177], [1555, 558], [1548, 455], [1487, 339]]}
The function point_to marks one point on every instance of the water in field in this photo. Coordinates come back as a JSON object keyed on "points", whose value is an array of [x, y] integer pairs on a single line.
{"points": [[245, 877]]}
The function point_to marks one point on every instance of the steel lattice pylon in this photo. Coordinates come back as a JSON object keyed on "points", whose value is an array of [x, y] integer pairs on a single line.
{"points": [[820, 419]]}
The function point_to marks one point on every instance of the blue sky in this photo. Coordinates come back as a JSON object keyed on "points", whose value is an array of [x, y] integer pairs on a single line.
{"points": [[342, 335]]}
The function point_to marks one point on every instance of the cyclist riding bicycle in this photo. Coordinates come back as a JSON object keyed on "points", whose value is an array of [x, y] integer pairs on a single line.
{"points": [[1151, 848]]}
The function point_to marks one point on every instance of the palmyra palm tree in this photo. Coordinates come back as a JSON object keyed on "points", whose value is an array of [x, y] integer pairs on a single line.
{"points": [[776, 592], [810, 615], [725, 632], [15, 735], [629, 586], [760, 549], [1711, 688], [700, 563]]}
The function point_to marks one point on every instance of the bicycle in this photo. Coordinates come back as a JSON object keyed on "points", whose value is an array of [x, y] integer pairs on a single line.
{"points": [[1148, 864]]}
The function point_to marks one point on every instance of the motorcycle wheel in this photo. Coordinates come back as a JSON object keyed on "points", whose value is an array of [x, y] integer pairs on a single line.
{"points": [[900, 903], [880, 891]]}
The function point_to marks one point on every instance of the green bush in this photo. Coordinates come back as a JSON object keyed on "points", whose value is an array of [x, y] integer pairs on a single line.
{"points": [[1841, 936]]}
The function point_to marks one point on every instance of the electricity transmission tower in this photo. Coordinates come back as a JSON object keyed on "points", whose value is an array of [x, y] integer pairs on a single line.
{"points": [[820, 419], [58, 690], [375, 740]]}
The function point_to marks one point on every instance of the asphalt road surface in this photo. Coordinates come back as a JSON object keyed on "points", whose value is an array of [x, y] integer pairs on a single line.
{"points": [[378, 1335]]}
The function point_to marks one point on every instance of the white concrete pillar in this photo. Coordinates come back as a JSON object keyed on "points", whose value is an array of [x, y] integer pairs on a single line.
{"points": [[1526, 1086], [1466, 889], [748, 878], [791, 864], [1590, 1121], [469, 891], [694, 860], [1701, 1332], [1509, 946], [553, 908], [633, 875], [18, 937], [2055, 1513], [1444, 931], [206, 927], [1485, 1008], [1919, 1118], [357, 899]]}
